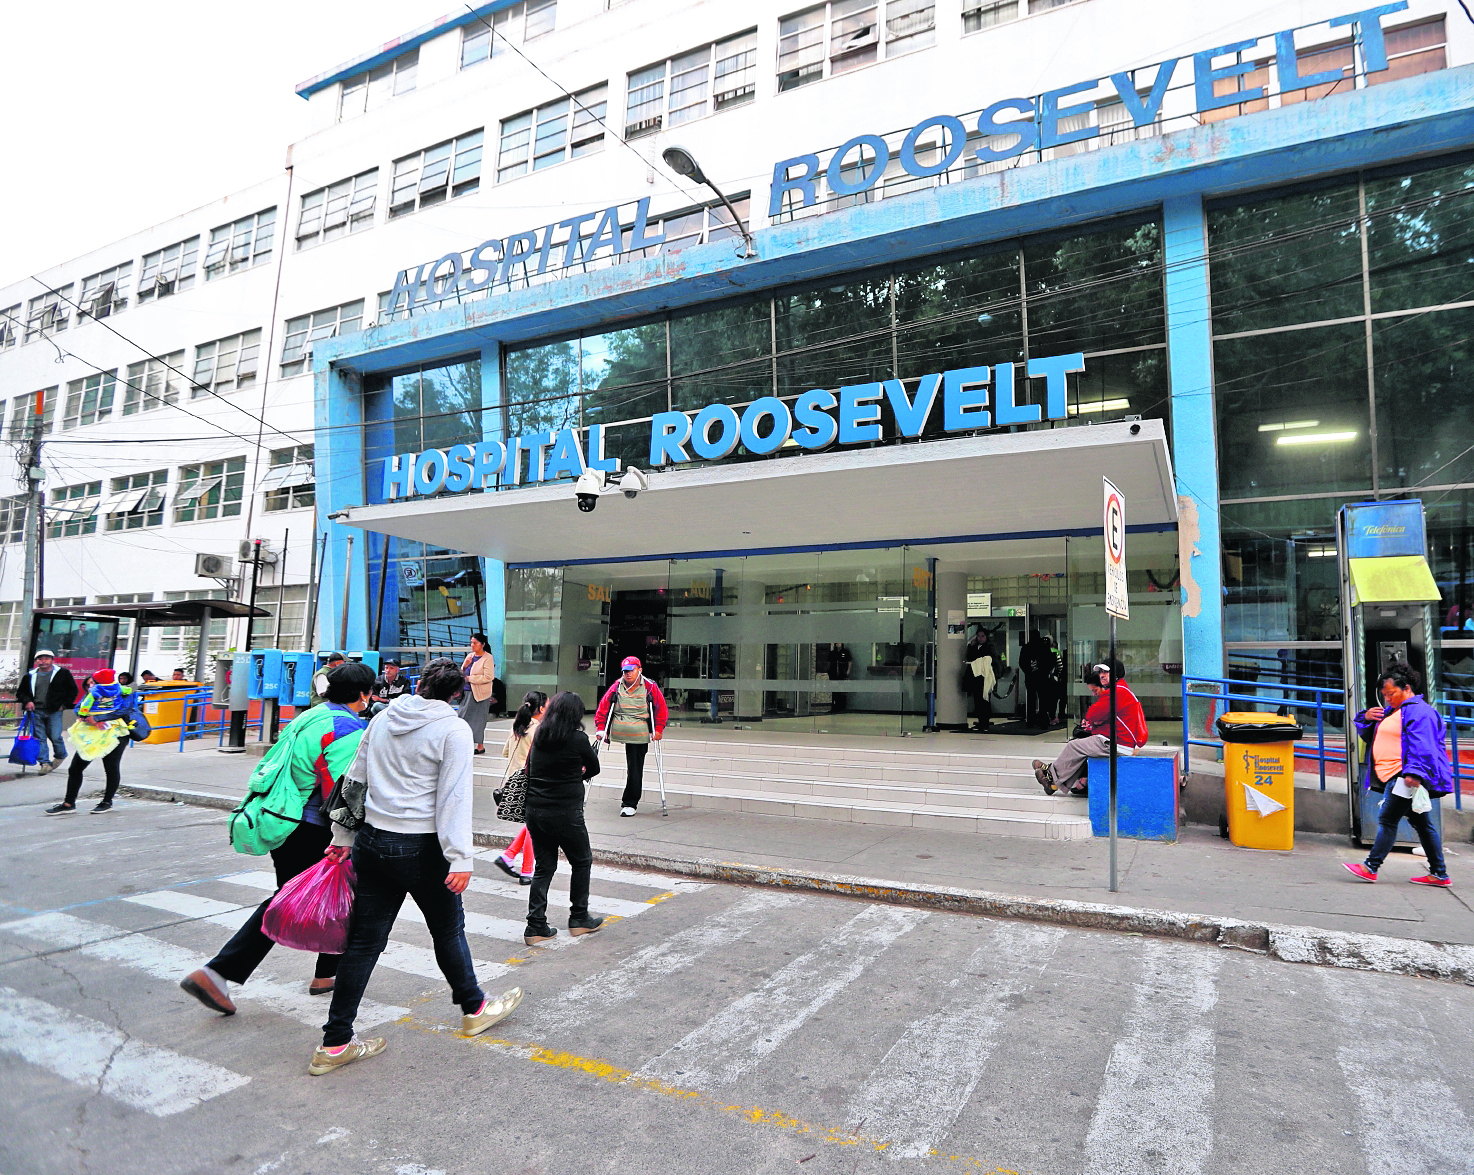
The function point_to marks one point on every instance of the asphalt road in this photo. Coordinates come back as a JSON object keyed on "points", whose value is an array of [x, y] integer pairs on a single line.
{"points": [[708, 1028]]}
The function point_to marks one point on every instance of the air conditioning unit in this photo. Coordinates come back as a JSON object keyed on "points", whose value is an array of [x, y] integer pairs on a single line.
{"points": [[247, 552], [213, 566]]}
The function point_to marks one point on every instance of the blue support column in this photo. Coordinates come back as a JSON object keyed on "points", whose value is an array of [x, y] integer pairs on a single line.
{"points": [[493, 571], [338, 467], [1194, 437]]}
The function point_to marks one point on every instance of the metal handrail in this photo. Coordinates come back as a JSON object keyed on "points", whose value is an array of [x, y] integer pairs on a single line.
{"points": [[1224, 691], [1456, 720]]}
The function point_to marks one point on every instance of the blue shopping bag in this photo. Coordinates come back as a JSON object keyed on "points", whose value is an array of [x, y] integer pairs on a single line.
{"points": [[28, 749]]}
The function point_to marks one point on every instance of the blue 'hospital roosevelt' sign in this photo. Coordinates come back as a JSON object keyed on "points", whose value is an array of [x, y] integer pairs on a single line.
{"points": [[1012, 126], [969, 398]]}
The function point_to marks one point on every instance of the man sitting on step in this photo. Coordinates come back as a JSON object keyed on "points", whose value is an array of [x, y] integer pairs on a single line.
{"points": [[1067, 772]]}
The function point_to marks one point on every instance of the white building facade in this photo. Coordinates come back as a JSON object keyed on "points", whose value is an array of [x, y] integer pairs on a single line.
{"points": [[180, 373]]}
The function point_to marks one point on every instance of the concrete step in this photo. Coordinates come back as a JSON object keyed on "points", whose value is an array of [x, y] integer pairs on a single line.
{"points": [[1058, 824]]}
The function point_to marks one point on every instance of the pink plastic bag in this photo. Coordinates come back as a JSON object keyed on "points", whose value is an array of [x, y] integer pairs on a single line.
{"points": [[310, 913]]}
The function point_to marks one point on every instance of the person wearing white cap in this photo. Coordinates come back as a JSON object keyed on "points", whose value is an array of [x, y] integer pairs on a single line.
{"points": [[48, 691], [634, 712]]}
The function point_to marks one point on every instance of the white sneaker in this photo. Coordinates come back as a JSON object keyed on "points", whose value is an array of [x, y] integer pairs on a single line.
{"points": [[626, 811]]}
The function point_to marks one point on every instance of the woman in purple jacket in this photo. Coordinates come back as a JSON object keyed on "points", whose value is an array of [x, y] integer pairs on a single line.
{"points": [[1405, 738]]}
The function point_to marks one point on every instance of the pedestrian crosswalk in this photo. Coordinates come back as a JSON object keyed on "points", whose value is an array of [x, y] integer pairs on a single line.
{"points": [[909, 1032]]}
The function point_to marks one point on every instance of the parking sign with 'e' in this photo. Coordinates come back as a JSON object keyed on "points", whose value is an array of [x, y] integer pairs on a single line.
{"points": [[1115, 551]]}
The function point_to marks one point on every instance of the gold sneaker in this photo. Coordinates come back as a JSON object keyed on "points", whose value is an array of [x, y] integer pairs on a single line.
{"points": [[492, 1012], [356, 1050]]}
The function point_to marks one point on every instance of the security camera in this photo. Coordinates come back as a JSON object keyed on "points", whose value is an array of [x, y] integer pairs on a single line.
{"points": [[633, 481], [587, 489]]}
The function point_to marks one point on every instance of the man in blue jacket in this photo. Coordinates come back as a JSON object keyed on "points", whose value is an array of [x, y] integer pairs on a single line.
{"points": [[1405, 737]]}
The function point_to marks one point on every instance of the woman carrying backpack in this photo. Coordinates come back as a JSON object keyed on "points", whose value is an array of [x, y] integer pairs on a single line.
{"points": [[514, 750], [560, 762], [314, 749]]}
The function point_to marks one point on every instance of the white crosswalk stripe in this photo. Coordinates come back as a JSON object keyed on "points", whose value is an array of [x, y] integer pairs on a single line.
{"points": [[920, 1087], [164, 960], [85, 1052], [748, 1030], [607, 989], [1155, 1108], [508, 890], [1410, 1119], [397, 956]]}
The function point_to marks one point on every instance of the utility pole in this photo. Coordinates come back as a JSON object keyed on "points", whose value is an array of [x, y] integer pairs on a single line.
{"points": [[32, 474]]}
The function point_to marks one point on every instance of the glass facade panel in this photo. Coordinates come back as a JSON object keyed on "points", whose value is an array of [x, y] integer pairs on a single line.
{"points": [[623, 374], [541, 388], [1284, 260], [1425, 418], [830, 336], [718, 356], [1293, 413], [1420, 238], [1098, 291]]}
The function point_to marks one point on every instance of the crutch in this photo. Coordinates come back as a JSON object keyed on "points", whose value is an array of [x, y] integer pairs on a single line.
{"points": [[660, 772]]}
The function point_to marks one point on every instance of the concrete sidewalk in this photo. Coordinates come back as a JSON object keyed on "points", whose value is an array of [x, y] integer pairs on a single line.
{"points": [[1201, 875]]}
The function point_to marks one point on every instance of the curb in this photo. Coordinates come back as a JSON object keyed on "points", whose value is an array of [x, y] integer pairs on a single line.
{"points": [[1286, 943]]}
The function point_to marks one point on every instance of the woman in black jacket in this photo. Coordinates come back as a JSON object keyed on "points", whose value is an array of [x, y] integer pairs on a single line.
{"points": [[560, 760]]}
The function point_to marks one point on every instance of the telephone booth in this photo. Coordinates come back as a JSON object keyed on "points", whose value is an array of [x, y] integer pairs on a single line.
{"points": [[1387, 595]]}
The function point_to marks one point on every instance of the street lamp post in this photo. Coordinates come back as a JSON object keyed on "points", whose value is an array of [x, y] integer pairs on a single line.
{"points": [[682, 162]]}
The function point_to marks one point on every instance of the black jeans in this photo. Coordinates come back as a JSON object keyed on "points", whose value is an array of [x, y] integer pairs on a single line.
{"points": [[982, 708], [552, 829], [391, 865], [1394, 809], [248, 946], [634, 784], [110, 772], [1038, 695]]}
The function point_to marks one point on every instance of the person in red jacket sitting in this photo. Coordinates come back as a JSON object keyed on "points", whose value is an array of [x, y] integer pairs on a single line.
{"points": [[632, 712], [1067, 772]]}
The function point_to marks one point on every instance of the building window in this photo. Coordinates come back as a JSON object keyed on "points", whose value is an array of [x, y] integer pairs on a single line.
{"points": [[10, 626], [311, 328], [153, 383], [681, 89], [338, 209], [184, 638], [240, 245], [73, 511], [63, 601], [106, 293], [168, 271], [1412, 49], [13, 519], [289, 482], [89, 399], [374, 87], [701, 225], [10, 322], [225, 364], [23, 414], [285, 628], [48, 313], [843, 33], [125, 627], [553, 133], [211, 490], [985, 15], [137, 501], [520, 22], [909, 25], [436, 174]]}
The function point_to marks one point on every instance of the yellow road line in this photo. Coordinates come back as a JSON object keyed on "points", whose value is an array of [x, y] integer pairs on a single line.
{"points": [[612, 1074]]}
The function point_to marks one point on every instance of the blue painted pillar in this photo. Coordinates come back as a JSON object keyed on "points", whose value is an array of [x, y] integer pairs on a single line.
{"points": [[493, 571], [1194, 436], [338, 467]]}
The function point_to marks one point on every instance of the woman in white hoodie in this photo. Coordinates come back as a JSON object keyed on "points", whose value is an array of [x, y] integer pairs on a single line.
{"points": [[413, 837]]}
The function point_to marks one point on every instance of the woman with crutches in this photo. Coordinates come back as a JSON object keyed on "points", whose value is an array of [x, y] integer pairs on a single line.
{"points": [[632, 712]]}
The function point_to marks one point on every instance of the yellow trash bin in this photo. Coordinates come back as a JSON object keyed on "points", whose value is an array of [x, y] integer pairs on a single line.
{"points": [[1259, 778], [165, 713]]}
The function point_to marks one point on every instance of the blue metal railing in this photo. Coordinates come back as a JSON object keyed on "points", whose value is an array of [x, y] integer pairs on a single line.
{"points": [[1459, 715], [1289, 697]]}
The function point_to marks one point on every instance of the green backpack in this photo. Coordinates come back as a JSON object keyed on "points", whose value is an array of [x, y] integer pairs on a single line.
{"points": [[274, 802]]}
